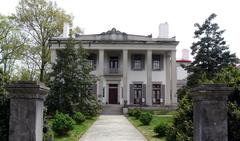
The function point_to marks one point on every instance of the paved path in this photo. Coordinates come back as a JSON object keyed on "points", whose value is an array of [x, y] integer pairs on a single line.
{"points": [[112, 128]]}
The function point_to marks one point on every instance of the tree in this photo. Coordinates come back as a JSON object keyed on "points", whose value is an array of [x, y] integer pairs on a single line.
{"points": [[213, 64], [70, 80], [41, 20], [210, 51], [12, 44]]}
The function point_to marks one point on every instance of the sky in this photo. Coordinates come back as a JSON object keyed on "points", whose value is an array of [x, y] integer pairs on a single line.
{"points": [[142, 17]]}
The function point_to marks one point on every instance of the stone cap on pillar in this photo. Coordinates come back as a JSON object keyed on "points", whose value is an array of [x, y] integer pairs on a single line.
{"points": [[210, 92], [27, 90]]}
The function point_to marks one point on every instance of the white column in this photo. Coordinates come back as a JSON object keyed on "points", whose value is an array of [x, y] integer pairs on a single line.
{"points": [[173, 77], [167, 100], [100, 72], [53, 55], [149, 78], [125, 70]]}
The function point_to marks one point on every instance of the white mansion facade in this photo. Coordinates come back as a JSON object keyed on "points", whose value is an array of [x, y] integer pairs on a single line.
{"points": [[140, 70]]}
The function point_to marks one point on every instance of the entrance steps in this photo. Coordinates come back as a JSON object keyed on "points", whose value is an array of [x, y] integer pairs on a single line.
{"points": [[112, 109]]}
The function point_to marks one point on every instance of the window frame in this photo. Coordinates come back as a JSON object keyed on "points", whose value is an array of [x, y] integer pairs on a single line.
{"points": [[137, 62], [156, 66]]}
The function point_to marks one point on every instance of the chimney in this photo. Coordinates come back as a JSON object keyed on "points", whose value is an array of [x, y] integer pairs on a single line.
{"points": [[185, 54], [163, 30], [66, 29]]}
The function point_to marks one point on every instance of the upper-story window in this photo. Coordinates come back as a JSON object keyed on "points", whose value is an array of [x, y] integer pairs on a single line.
{"points": [[92, 60], [156, 62], [137, 62], [113, 62]]}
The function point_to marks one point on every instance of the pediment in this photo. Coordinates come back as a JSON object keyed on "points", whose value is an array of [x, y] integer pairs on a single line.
{"points": [[112, 34]]}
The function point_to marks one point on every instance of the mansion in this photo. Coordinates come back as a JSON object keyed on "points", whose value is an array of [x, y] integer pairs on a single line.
{"points": [[136, 69]]}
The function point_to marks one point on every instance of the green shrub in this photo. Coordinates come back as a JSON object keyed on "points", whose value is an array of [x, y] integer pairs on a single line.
{"points": [[79, 117], [131, 112], [145, 118], [137, 113], [89, 106], [62, 124], [49, 136], [161, 128]]}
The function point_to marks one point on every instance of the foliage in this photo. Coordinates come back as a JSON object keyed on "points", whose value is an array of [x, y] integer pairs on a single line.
{"points": [[41, 20], [89, 106], [210, 52], [145, 118], [70, 82], [137, 113], [161, 129], [62, 124], [131, 112], [78, 117], [182, 128], [78, 131], [4, 110], [233, 122]]}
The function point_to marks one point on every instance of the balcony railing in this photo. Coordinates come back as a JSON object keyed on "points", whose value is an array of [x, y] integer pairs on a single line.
{"points": [[112, 71]]}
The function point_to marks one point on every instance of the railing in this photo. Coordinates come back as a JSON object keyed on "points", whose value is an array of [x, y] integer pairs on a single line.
{"points": [[112, 71]]}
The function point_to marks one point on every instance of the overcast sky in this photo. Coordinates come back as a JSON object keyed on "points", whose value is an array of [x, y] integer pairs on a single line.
{"points": [[144, 16]]}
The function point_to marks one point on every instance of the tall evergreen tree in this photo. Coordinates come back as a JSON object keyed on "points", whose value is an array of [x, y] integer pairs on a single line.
{"points": [[210, 51], [71, 79]]}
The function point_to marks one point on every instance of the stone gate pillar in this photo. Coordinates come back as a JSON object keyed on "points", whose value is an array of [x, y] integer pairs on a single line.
{"points": [[26, 110], [210, 112]]}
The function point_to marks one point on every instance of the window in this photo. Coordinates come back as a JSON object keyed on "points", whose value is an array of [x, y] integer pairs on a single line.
{"points": [[113, 63], [92, 60], [137, 93], [156, 62], [156, 94], [138, 62]]}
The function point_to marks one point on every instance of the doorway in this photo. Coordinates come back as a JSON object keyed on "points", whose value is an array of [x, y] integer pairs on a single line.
{"points": [[113, 93]]}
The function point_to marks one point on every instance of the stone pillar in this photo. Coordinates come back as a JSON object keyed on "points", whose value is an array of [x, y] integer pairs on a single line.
{"points": [[53, 55], [173, 78], [26, 110], [167, 100], [100, 72], [210, 112], [149, 78], [125, 71]]}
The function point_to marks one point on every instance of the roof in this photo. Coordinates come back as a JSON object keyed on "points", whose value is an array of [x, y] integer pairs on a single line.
{"points": [[183, 61], [116, 36]]}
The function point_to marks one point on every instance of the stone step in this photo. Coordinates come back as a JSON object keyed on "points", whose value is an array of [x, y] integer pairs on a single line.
{"points": [[112, 109]]}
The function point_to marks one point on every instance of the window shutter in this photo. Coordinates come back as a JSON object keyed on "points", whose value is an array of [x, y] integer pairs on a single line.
{"points": [[131, 94], [144, 93], [163, 92], [143, 61], [132, 62], [161, 62]]}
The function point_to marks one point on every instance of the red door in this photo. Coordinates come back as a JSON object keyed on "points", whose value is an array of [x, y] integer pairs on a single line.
{"points": [[113, 94]]}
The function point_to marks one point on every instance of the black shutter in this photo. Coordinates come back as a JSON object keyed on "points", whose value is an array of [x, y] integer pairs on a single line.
{"points": [[143, 61], [131, 93], [144, 93], [132, 62], [163, 92], [161, 62]]}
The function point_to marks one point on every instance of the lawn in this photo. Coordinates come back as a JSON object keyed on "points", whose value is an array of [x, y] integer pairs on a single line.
{"points": [[78, 131], [147, 131]]}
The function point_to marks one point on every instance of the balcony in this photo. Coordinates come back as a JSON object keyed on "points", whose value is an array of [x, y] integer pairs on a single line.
{"points": [[113, 71]]}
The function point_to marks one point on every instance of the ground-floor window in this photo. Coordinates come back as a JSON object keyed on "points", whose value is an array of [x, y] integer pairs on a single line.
{"points": [[137, 93], [156, 93]]}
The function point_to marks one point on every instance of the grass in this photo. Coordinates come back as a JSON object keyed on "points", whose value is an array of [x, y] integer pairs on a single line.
{"points": [[78, 131], [147, 131], [161, 112]]}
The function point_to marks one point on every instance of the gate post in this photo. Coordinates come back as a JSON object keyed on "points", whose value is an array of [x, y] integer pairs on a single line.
{"points": [[26, 110], [210, 112]]}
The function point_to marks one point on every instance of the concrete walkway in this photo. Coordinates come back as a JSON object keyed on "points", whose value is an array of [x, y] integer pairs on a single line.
{"points": [[112, 128]]}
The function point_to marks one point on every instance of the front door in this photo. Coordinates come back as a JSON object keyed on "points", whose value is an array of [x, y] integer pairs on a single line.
{"points": [[113, 93]]}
